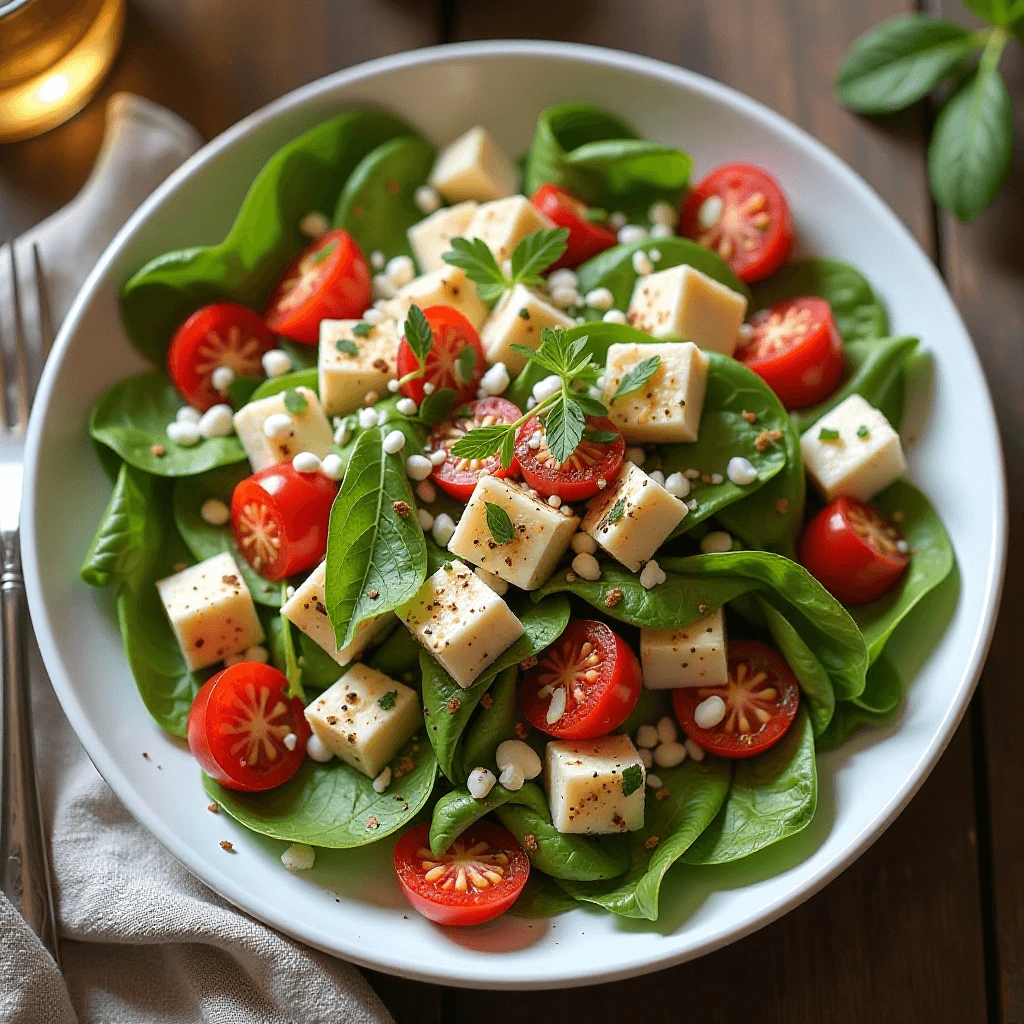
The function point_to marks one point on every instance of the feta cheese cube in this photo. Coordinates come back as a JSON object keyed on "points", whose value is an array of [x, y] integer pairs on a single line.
{"points": [[345, 378], [684, 303], [433, 235], [692, 655], [517, 320], [666, 410], [583, 779], [211, 611], [307, 609], [474, 167], [859, 455], [541, 534], [632, 517], [310, 430], [506, 222], [446, 287], [349, 719], [460, 621]]}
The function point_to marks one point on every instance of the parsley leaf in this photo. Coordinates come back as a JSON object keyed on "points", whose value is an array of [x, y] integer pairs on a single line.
{"points": [[465, 364], [564, 425], [536, 252], [600, 436], [637, 377], [437, 406], [863, 433], [346, 345], [294, 402], [482, 442], [387, 700], [828, 435], [362, 329], [632, 779], [499, 523], [477, 260], [418, 333], [616, 512]]}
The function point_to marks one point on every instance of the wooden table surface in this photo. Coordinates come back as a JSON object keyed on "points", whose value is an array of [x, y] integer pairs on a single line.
{"points": [[929, 924]]}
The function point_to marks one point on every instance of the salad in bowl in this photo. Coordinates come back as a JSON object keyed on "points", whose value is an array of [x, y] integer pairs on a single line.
{"points": [[547, 518]]}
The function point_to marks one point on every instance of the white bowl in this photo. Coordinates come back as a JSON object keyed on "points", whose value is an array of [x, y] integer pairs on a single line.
{"points": [[348, 904]]}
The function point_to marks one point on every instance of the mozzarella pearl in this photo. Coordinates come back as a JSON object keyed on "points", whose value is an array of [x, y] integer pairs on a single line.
{"points": [[214, 512]]}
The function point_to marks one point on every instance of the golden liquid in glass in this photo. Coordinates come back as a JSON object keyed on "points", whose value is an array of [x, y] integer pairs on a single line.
{"points": [[53, 56]]}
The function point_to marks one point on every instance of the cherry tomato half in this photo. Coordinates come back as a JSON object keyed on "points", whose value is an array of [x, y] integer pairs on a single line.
{"points": [[329, 281], [456, 475], [740, 212], [797, 349], [223, 334], [853, 552], [586, 238], [279, 518], [761, 701], [597, 675], [578, 477], [239, 724], [479, 877], [446, 365]]}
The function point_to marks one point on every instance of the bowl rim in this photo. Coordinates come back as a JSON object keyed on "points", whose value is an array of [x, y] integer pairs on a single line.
{"points": [[241, 896]]}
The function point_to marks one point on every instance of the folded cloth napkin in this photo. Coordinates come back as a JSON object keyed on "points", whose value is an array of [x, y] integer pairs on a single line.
{"points": [[143, 941]]}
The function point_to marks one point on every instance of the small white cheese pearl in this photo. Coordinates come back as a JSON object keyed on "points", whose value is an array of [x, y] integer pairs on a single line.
{"points": [[234, 659], [661, 212], [636, 455], [563, 297], [677, 485], [600, 298], [614, 316], [400, 270], [426, 491], [184, 434], [740, 471], [480, 782], [631, 233], [307, 462], [512, 777], [341, 434], [377, 259], [406, 406], [564, 278], [668, 732], [655, 255], [257, 653], [496, 583], [647, 736], [443, 528], [382, 781], [545, 388], [370, 398], [717, 478], [427, 199], [668, 755], [657, 476], [276, 363], [374, 316], [652, 575], [316, 751], [222, 378], [586, 566], [646, 757], [716, 541], [393, 386], [368, 418], [708, 713], [557, 706], [383, 287], [186, 414], [617, 220], [693, 751], [438, 457], [710, 212], [277, 424], [654, 782], [332, 467], [298, 857], [496, 380], [428, 388], [290, 741], [425, 518], [289, 592], [519, 754], [214, 512], [394, 442], [555, 501], [583, 544], [217, 421], [642, 263], [314, 224], [662, 231], [419, 467]]}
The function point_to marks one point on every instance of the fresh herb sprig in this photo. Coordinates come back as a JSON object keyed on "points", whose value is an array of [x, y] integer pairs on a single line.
{"points": [[564, 412], [535, 253], [637, 377], [420, 337]]}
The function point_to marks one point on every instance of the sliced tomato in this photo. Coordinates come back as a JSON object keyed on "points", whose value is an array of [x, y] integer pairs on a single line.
{"points": [[796, 347], [456, 475], [223, 334], [329, 281], [739, 212], [580, 476], [446, 364], [244, 729], [761, 701], [853, 551], [594, 672], [479, 877], [586, 237], [279, 518]]}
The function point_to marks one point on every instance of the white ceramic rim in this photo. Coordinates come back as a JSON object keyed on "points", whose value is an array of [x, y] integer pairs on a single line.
{"points": [[224, 883]]}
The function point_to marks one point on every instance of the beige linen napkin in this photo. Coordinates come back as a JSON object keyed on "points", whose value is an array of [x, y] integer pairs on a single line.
{"points": [[143, 941]]}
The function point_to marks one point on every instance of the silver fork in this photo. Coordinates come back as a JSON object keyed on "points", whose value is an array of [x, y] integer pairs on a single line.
{"points": [[24, 863]]}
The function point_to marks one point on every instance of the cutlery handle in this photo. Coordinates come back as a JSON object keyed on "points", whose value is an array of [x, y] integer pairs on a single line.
{"points": [[25, 877]]}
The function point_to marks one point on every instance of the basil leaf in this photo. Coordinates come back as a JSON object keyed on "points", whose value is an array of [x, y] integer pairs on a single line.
{"points": [[346, 346], [499, 524], [437, 406], [632, 779], [637, 377], [418, 333], [376, 559], [465, 364], [564, 426], [536, 252]]}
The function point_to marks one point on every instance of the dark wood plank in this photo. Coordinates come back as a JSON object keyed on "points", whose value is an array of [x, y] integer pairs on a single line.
{"points": [[901, 931]]}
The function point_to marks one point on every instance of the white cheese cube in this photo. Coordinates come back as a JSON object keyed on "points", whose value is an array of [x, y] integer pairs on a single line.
{"points": [[460, 621], [632, 517], [583, 779], [506, 222], [307, 609], [859, 455], [310, 430], [666, 410], [350, 720], [517, 320], [211, 611], [345, 378], [692, 655], [474, 167], [446, 287], [684, 303], [433, 235], [541, 534]]}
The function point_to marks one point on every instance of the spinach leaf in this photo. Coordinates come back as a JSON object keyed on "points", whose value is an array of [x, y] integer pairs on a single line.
{"points": [[458, 810], [447, 707], [306, 174], [931, 562], [398, 656], [884, 689], [772, 796], [287, 382], [377, 205], [883, 684], [542, 897], [332, 805], [376, 558], [205, 540], [696, 795], [319, 669], [495, 722], [131, 418]]}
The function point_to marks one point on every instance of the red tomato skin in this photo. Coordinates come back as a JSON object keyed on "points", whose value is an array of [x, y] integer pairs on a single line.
{"points": [[203, 736], [806, 372], [615, 704], [342, 289], [586, 239], [300, 506], [777, 245], [475, 908], [844, 563], [452, 333], [546, 481], [191, 377]]}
